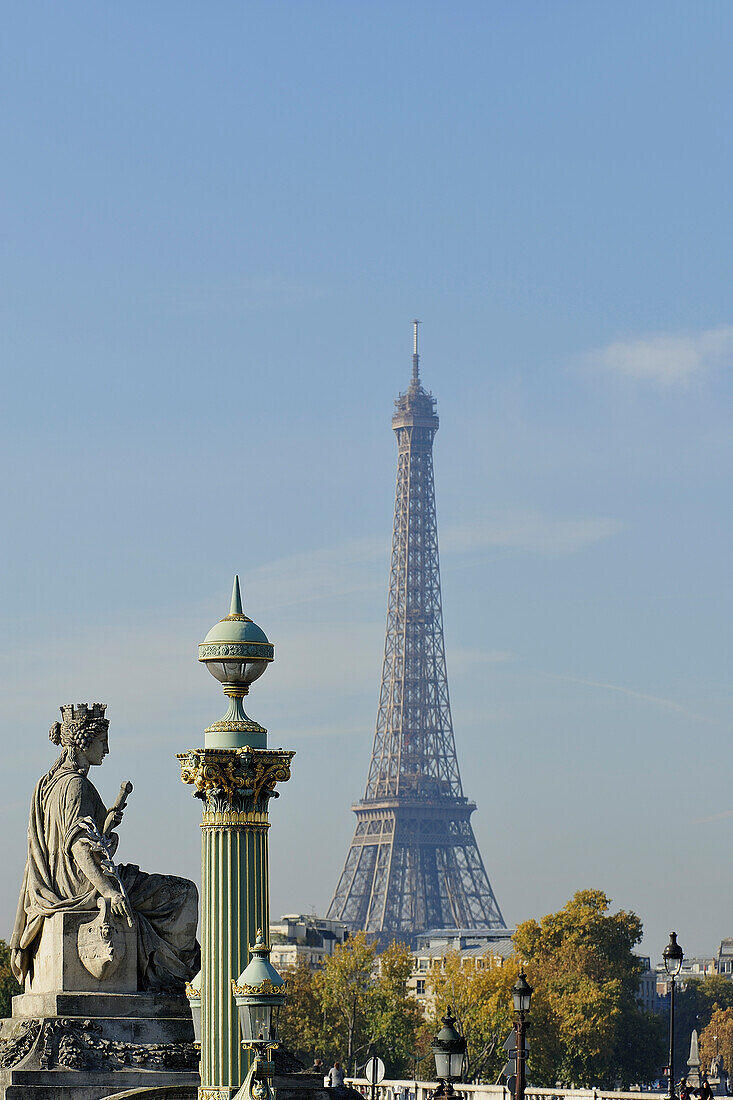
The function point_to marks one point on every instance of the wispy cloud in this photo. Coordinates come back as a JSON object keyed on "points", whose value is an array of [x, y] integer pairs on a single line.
{"points": [[667, 359], [361, 564], [713, 817], [529, 531], [645, 697], [335, 570]]}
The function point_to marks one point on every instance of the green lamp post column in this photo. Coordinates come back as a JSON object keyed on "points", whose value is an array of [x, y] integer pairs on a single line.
{"points": [[234, 774]]}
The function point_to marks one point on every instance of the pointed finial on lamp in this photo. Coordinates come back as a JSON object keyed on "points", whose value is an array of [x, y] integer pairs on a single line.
{"points": [[236, 608], [415, 356]]}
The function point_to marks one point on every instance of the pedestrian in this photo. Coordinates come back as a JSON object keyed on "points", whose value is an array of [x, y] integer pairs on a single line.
{"points": [[317, 1067], [336, 1076], [705, 1092], [684, 1091]]}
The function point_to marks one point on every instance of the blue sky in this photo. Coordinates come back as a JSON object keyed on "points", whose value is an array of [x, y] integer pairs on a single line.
{"points": [[218, 221]]}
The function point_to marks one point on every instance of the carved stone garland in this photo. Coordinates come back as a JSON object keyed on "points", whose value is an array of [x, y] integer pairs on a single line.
{"points": [[16, 1046], [74, 1044]]}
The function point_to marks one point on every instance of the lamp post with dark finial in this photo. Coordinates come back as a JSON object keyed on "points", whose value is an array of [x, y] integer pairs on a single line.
{"points": [[449, 1050], [234, 775], [522, 997], [673, 956]]}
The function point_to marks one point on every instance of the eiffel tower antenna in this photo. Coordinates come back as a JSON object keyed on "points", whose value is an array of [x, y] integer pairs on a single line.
{"points": [[414, 864], [415, 357]]}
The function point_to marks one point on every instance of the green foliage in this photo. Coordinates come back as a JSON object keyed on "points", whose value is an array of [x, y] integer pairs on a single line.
{"points": [[586, 1026], [479, 993], [357, 1003], [396, 1018], [9, 987], [693, 1008], [301, 1018], [345, 987]]}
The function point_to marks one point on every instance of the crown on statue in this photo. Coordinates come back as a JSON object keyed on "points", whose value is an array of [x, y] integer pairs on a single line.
{"points": [[80, 724], [81, 712]]}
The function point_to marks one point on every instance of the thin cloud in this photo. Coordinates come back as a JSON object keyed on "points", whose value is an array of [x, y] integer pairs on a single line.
{"points": [[655, 700], [713, 817], [529, 531], [667, 359], [362, 564], [354, 565]]}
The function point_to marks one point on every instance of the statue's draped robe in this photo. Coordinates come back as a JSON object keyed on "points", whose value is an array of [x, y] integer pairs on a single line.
{"points": [[166, 907]]}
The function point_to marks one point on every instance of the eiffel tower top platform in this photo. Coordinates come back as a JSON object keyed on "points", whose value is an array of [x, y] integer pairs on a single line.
{"points": [[414, 864]]}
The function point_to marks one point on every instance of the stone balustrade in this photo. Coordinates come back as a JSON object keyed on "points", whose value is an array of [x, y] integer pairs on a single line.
{"points": [[423, 1090]]}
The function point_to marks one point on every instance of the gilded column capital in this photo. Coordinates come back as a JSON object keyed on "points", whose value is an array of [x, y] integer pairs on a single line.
{"points": [[235, 782]]}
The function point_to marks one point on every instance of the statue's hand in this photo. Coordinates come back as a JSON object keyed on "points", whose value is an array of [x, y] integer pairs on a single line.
{"points": [[112, 820], [120, 906]]}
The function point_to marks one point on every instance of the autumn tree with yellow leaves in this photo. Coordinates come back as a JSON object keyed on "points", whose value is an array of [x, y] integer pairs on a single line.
{"points": [[587, 1028], [479, 993]]}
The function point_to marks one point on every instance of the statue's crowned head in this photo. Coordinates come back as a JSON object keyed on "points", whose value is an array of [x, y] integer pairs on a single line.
{"points": [[80, 724]]}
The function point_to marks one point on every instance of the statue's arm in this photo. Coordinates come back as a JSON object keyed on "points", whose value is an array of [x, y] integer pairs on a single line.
{"points": [[112, 820], [116, 810], [88, 863]]}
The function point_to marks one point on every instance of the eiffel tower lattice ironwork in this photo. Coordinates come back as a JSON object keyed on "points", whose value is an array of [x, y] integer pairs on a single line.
{"points": [[414, 864]]}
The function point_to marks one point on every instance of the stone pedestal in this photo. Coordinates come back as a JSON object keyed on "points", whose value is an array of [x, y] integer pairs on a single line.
{"points": [[75, 1036], [89, 1046], [57, 966]]}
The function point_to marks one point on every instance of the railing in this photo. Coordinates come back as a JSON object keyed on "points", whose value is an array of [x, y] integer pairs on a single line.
{"points": [[423, 1090]]}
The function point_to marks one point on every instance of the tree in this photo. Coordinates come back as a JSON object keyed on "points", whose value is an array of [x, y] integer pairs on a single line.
{"points": [[346, 992], [717, 1038], [358, 1003], [9, 987], [301, 1019], [479, 993], [586, 1025], [396, 1016], [694, 1006]]}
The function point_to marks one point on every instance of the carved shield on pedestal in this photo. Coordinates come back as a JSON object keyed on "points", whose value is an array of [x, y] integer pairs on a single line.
{"points": [[101, 944]]}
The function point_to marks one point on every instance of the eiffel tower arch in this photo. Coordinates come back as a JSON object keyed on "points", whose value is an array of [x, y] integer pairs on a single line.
{"points": [[414, 864]]}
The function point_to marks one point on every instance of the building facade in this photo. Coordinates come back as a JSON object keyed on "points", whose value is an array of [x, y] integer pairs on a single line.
{"points": [[299, 937]]}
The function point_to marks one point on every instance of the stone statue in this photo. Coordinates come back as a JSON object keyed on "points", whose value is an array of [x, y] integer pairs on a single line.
{"points": [[71, 844]]}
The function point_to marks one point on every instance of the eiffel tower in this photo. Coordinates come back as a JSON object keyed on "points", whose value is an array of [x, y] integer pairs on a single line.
{"points": [[414, 864]]}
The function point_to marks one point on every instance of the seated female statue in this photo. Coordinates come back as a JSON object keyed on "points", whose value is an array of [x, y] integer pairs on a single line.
{"points": [[71, 841]]}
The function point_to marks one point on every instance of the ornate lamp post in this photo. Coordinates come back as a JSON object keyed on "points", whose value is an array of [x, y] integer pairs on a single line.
{"points": [[673, 956], [259, 993], [449, 1050], [234, 775], [522, 997]]}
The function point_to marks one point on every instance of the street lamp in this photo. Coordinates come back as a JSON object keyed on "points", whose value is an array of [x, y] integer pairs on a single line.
{"points": [[449, 1050], [259, 993], [673, 956], [522, 997]]}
